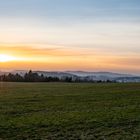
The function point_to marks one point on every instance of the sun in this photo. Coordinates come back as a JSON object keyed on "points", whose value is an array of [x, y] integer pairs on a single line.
{"points": [[6, 58]]}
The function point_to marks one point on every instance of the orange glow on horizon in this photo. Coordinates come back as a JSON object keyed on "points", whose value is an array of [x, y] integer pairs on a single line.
{"points": [[60, 58]]}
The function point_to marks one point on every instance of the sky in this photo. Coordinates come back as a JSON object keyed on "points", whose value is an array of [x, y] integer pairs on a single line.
{"points": [[89, 35]]}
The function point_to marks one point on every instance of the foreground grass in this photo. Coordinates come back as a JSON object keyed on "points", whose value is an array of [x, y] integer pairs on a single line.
{"points": [[57, 111]]}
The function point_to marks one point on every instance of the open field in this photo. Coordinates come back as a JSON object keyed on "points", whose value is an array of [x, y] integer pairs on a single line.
{"points": [[66, 111]]}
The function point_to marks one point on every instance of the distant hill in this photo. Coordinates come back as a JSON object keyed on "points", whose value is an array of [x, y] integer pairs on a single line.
{"points": [[84, 76], [2, 73], [20, 72], [60, 75], [98, 74], [104, 76]]}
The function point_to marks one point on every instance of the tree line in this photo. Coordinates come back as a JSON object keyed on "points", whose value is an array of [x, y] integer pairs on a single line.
{"points": [[32, 77], [35, 77]]}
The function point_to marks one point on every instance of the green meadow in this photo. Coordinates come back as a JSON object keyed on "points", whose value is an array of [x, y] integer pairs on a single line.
{"points": [[69, 111]]}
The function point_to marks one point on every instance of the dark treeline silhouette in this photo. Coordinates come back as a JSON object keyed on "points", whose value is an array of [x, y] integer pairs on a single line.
{"points": [[32, 77], [35, 77]]}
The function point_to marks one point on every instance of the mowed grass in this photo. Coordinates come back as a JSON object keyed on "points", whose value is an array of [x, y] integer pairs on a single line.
{"points": [[66, 111]]}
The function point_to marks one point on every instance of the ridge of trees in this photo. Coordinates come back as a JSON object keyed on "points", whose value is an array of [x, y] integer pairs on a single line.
{"points": [[35, 77], [32, 77]]}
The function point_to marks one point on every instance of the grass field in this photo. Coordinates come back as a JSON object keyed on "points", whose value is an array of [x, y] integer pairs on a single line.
{"points": [[66, 111]]}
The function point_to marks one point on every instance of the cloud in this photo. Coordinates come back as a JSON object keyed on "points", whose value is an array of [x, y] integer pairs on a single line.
{"points": [[44, 50]]}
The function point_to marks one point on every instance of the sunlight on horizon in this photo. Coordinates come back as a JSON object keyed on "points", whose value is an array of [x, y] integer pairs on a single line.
{"points": [[7, 58]]}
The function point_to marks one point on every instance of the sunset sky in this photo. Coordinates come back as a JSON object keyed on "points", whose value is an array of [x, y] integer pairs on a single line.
{"points": [[90, 35]]}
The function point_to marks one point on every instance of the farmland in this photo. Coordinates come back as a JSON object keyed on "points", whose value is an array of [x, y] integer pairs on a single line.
{"points": [[61, 111]]}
